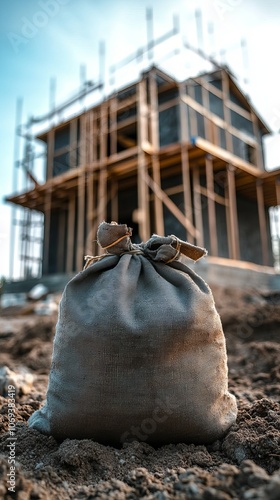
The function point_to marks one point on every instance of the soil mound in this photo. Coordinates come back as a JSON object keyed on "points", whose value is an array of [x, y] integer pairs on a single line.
{"points": [[245, 464]]}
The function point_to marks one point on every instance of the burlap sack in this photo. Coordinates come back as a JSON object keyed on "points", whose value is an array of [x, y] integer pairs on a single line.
{"points": [[139, 351]]}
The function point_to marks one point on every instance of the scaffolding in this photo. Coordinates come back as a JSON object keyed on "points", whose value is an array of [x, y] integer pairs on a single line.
{"points": [[118, 144]]}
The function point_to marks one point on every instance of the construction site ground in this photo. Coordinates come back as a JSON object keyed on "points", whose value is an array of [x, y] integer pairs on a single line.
{"points": [[245, 464]]}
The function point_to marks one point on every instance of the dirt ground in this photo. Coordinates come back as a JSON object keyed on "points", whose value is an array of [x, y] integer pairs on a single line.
{"points": [[243, 465]]}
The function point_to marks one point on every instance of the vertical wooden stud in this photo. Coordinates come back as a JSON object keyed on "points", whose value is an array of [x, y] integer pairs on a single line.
{"points": [[73, 143], [227, 117], [114, 199], [81, 199], [185, 164], [262, 222], [234, 238], [198, 208], [211, 206], [143, 192], [159, 222], [70, 232]]}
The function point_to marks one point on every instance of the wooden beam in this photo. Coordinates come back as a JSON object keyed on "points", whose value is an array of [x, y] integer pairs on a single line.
{"points": [[201, 80], [198, 219], [93, 136], [113, 126], [262, 223], [192, 107], [70, 232], [143, 212], [227, 116], [159, 218], [258, 148], [207, 119], [195, 106], [126, 123], [154, 122], [174, 190], [127, 142], [214, 196], [126, 103], [187, 190], [228, 222], [211, 206], [102, 178], [123, 155], [114, 199], [168, 104], [170, 205], [90, 213], [185, 134], [102, 199], [80, 251], [224, 155], [80, 223], [234, 232], [87, 138], [103, 131], [73, 143], [50, 154], [143, 193]]}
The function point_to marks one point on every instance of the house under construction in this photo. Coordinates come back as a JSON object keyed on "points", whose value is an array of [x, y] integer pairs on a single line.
{"points": [[165, 157]]}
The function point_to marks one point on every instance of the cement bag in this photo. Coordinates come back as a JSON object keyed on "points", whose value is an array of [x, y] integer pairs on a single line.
{"points": [[139, 351]]}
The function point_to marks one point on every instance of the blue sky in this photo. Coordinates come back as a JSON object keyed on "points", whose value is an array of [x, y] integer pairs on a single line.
{"points": [[43, 39]]}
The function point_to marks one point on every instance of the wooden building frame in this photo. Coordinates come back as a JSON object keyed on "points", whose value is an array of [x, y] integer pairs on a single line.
{"points": [[202, 132]]}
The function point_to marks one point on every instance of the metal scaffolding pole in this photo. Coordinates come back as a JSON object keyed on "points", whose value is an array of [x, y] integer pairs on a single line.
{"points": [[19, 106]]}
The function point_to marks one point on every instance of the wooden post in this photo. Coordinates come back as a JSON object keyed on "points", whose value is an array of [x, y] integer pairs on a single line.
{"points": [[258, 148], [70, 232], [185, 163], [90, 213], [91, 225], [113, 126], [143, 193], [114, 200], [93, 135], [206, 105], [228, 222], [159, 220], [234, 239], [50, 154], [193, 121], [198, 220], [102, 195], [87, 145], [102, 186], [81, 199], [226, 96], [103, 132], [81, 221], [73, 143], [262, 222], [211, 206]]}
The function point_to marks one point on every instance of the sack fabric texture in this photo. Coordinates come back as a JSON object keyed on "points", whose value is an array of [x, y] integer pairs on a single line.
{"points": [[139, 351]]}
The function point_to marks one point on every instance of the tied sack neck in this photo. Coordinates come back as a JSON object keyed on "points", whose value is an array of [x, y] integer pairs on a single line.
{"points": [[116, 238]]}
